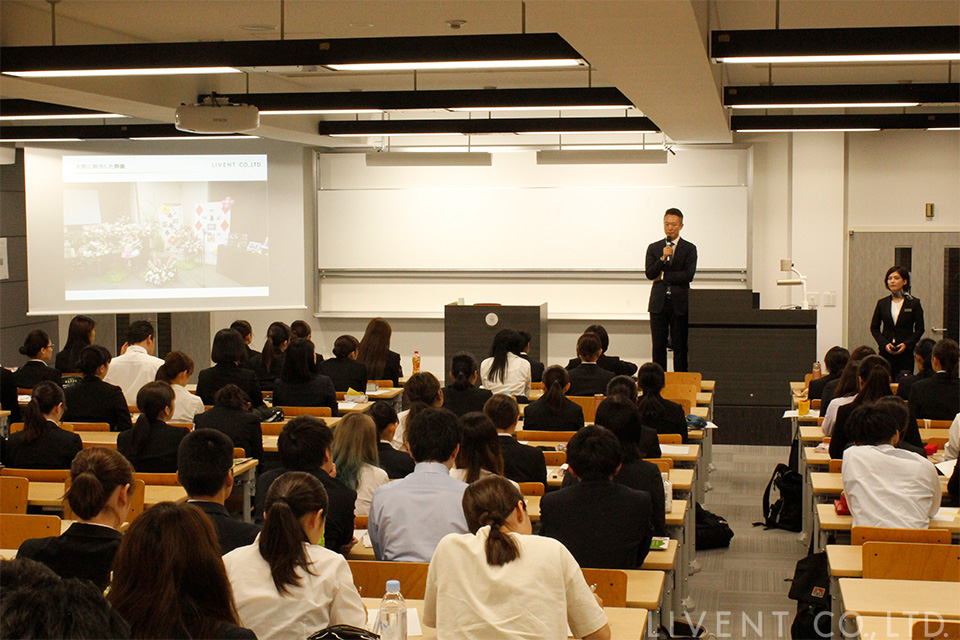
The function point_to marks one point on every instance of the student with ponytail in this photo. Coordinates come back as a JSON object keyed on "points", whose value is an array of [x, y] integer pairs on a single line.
{"points": [[269, 364], [151, 446], [93, 400], [422, 391], [101, 483], [554, 411], [176, 370], [463, 396], [539, 587], [39, 349], [873, 382], [43, 444], [505, 371], [286, 584], [656, 411]]}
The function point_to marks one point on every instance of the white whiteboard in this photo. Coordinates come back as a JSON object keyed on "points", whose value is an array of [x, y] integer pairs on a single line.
{"points": [[558, 228]]}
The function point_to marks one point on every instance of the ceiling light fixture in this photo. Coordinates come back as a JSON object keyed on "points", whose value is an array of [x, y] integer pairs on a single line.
{"points": [[848, 122], [33, 133], [840, 96], [542, 126]]}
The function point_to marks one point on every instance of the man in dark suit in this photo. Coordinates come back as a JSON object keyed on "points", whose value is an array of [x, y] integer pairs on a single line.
{"points": [[938, 397], [835, 360], [589, 378], [343, 369], [536, 367], [397, 464], [612, 364], [671, 263], [922, 355], [205, 469], [604, 525], [521, 463]]}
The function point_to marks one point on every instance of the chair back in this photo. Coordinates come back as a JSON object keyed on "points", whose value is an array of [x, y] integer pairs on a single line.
{"points": [[664, 464], [911, 561], [933, 424], [37, 475], [361, 522], [835, 466], [136, 501], [87, 444], [815, 404], [611, 585], [166, 479], [13, 494], [540, 436], [371, 577], [239, 452], [684, 377], [132, 408], [24, 391], [341, 395], [382, 384], [15, 427], [863, 535], [940, 441], [589, 405], [320, 412], [90, 426], [806, 380], [670, 438], [537, 385], [935, 628], [17, 527], [532, 488], [555, 458], [271, 428]]}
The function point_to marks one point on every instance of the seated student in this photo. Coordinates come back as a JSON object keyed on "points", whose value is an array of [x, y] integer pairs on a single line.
{"points": [[39, 349], [8, 395], [613, 364], [408, 517], [82, 332], [300, 386], [344, 370], [269, 364], [938, 397], [300, 330], [604, 525], [151, 445], [952, 448], [886, 486], [286, 584], [553, 411], [536, 367], [657, 412], [397, 464], [588, 379], [834, 360], [37, 603], [897, 407], [231, 416], [873, 381], [538, 587], [42, 444], [463, 396], [375, 354], [246, 332], [521, 463], [169, 580], [829, 391], [355, 455], [205, 470], [176, 370], [136, 365], [479, 454], [505, 371], [304, 445], [922, 356], [842, 394], [953, 487], [101, 481], [93, 400], [228, 354], [420, 392], [626, 387]]}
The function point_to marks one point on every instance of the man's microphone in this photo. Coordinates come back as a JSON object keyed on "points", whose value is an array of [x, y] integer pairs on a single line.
{"points": [[669, 257]]}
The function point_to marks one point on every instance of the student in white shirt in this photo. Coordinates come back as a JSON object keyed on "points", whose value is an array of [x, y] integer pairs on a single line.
{"points": [[285, 584], [421, 391], [355, 455], [952, 449], [136, 366], [844, 393], [505, 371], [502, 582], [176, 369], [886, 486]]}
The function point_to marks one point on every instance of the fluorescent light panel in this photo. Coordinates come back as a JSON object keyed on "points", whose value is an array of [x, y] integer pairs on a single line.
{"points": [[88, 116], [37, 133], [875, 58], [479, 126], [93, 73], [458, 65], [840, 96], [15, 109], [846, 122], [836, 105]]}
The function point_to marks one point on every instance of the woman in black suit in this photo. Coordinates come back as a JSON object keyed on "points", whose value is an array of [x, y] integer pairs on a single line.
{"points": [[300, 386], [43, 444], [375, 354], [82, 333], [463, 396], [229, 353], [344, 370], [39, 349], [553, 411], [897, 322], [655, 411], [269, 363], [231, 415], [151, 445], [92, 399]]}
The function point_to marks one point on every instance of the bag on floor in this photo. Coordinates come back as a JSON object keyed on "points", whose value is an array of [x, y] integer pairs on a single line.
{"points": [[811, 590], [713, 532], [786, 512]]}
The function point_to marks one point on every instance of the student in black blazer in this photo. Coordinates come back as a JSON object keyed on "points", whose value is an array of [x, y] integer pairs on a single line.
{"points": [[43, 444], [268, 364], [397, 464], [93, 400], [938, 397], [657, 412], [834, 360], [604, 525], [922, 356], [151, 445], [374, 352], [231, 416], [344, 370], [873, 376], [626, 387], [245, 329], [589, 378], [463, 396], [897, 338], [99, 496], [536, 367], [8, 395], [39, 349], [553, 411], [521, 463], [300, 386], [228, 354], [612, 364]]}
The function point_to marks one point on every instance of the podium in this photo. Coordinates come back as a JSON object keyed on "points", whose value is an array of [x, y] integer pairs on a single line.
{"points": [[471, 329]]}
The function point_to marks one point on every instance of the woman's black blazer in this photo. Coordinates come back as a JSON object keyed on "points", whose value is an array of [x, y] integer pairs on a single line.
{"points": [[93, 400], [217, 377], [537, 416], [907, 330]]}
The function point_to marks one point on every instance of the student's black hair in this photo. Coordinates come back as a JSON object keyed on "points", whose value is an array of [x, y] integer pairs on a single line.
{"points": [[35, 342], [174, 364], [622, 417], [479, 446], [383, 415], [78, 337], [588, 347], [344, 346], [95, 473], [281, 542], [525, 338], [299, 362], [277, 334], [204, 458], [462, 368], [231, 396], [228, 347], [433, 435], [92, 358], [594, 453], [650, 380], [673, 211], [623, 386], [139, 331], [874, 375], [152, 399], [903, 274], [243, 328], [489, 502], [870, 424], [503, 410], [947, 354], [506, 341], [421, 391], [847, 384], [601, 333], [44, 399], [303, 444], [555, 380], [896, 407], [836, 359], [300, 329], [924, 350]]}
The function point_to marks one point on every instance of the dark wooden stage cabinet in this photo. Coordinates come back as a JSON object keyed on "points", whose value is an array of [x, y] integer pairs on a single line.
{"points": [[753, 354], [471, 329]]}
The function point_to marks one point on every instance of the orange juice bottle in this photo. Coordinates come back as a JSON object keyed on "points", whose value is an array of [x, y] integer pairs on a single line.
{"points": [[416, 362]]}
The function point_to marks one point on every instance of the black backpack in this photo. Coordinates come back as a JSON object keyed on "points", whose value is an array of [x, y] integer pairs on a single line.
{"points": [[811, 590], [713, 532], [787, 511]]}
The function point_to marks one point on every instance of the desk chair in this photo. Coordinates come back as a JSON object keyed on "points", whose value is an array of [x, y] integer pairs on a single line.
{"points": [[863, 535], [670, 438], [815, 404], [16, 527], [935, 629], [909, 561], [341, 395], [66, 426], [555, 458], [589, 405], [382, 384], [933, 424], [89, 426], [611, 585], [106, 445], [685, 403], [664, 464], [165, 479], [271, 428], [941, 442], [23, 391], [13, 494], [361, 522], [531, 488], [136, 501], [133, 409], [684, 377], [320, 412], [537, 385], [554, 436], [37, 475], [371, 577], [835, 466]]}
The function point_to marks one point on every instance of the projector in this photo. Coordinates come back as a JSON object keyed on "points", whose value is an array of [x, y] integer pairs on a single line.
{"points": [[216, 115]]}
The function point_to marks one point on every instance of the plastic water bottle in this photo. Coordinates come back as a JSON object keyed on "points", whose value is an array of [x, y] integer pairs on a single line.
{"points": [[416, 362], [667, 493], [817, 373], [392, 617]]}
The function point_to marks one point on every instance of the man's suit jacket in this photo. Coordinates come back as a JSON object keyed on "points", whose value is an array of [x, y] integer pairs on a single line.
{"points": [[217, 377], [397, 464], [936, 398], [589, 379], [159, 453], [906, 383], [537, 416], [536, 368], [83, 551], [242, 427], [55, 449], [463, 401], [907, 330], [345, 373], [93, 400], [604, 525], [230, 532], [641, 475], [678, 274], [610, 363], [33, 373], [815, 392], [522, 463]]}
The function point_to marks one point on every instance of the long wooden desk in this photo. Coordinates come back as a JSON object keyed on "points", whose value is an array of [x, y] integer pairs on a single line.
{"points": [[900, 598], [829, 524], [891, 628], [813, 435], [681, 479]]}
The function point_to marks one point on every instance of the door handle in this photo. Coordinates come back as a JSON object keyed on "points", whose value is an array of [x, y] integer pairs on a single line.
{"points": [[935, 330]]}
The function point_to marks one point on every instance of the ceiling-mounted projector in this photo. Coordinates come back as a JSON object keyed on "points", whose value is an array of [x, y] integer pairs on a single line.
{"points": [[217, 115]]}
